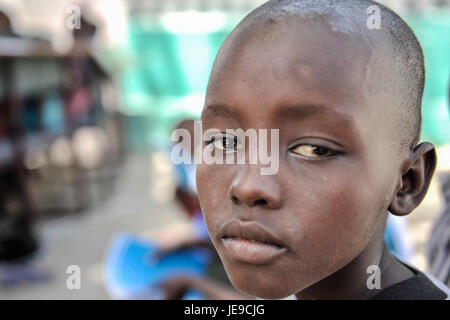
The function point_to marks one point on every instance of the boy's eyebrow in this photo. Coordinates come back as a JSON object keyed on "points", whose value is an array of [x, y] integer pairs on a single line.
{"points": [[219, 110], [302, 111], [287, 112]]}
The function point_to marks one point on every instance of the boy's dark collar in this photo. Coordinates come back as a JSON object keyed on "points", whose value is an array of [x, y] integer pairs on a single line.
{"points": [[418, 287]]}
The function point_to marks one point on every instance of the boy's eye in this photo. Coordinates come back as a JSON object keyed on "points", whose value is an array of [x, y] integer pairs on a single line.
{"points": [[313, 151], [226, 143]]}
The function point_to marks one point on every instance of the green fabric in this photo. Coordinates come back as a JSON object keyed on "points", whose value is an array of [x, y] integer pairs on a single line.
{"points": [[166, 76], [434, 35]]}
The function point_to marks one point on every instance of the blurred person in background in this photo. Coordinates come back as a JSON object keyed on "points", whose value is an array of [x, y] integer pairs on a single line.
{"points": [[438, 246], [18, 241]]}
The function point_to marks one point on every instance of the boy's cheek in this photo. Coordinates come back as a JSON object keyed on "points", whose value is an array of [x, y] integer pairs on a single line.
{"points": [[329, 235], [212, 187], [208, 176], [333, 213]]}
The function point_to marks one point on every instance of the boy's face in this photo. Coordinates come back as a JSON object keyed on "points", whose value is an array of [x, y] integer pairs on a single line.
{"points": [[337, 166]]}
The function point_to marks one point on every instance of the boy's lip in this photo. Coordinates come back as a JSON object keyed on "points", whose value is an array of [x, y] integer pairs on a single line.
{"points": [[250, 242]]}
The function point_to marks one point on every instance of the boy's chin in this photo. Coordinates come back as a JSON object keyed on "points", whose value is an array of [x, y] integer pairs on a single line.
{"points": [[264, 293], [262, 288]]}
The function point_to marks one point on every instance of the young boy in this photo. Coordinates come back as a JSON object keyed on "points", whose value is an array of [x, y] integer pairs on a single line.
{"points": [[346, 98]]}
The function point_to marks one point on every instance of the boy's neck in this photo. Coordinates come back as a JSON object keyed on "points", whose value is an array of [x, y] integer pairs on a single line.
{"points": [[350, 282]]}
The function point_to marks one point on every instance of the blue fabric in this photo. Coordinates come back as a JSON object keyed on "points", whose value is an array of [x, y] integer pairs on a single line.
{"points": [[53, 118], [133, 271]]}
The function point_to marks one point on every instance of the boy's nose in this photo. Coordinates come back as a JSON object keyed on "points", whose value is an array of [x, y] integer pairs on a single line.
{"points": [[250, 188]]}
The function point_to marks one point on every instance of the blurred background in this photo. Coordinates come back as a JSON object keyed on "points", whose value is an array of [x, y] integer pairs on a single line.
{"points": [[89, 94]]}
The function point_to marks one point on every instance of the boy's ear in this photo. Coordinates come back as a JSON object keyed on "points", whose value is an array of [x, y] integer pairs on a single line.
{"points": [[415, 180]]}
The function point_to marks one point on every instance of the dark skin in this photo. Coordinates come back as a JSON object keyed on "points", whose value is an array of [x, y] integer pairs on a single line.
{"points": [[340, 167], [176, 287]]}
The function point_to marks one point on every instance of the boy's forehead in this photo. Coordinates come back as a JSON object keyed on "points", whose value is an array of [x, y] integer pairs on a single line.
{"points": [[291, 62]]}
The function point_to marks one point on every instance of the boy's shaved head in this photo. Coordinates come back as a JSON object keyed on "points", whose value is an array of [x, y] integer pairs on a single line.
{"points": [[400, 82]]}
